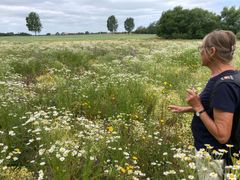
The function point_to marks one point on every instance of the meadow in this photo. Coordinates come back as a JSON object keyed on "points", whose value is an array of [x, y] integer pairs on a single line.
{"points": [[95, 107]]}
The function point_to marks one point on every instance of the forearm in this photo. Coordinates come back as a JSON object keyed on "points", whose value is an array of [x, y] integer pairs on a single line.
{"points": [[188, 109], [215, 129]]}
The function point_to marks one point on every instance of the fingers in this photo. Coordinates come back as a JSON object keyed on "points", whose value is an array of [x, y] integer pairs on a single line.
{"points": [[191, 91], [174, 108]]}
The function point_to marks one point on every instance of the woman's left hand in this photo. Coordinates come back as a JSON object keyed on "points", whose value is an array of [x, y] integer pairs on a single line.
{"points": [[193, 100]]}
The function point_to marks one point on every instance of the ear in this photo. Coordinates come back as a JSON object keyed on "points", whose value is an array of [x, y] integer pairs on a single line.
{"points": [[212, 51]]}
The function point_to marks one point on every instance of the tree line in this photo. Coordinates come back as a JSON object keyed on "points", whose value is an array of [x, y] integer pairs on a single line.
{"points": [[34, 24], [195, 23], [188, 23], [176, 23]]}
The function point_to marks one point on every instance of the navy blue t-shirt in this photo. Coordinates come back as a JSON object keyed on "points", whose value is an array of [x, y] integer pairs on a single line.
{"points": [[225, 97]]}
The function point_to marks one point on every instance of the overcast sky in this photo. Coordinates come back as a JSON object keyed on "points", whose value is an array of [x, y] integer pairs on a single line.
{"points": [[91, 15]]}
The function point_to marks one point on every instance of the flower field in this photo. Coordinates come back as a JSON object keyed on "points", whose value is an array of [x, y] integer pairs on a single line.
{"points": [[97, 109]]}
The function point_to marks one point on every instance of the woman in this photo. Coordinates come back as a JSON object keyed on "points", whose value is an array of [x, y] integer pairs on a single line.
{"points": [[214, 111]]}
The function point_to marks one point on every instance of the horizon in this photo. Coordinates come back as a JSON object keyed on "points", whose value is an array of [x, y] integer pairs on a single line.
{"points": [[74, 16]]}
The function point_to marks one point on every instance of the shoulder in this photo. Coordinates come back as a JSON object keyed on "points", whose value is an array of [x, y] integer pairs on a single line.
{"points": [[226, 90], [230, 80]]}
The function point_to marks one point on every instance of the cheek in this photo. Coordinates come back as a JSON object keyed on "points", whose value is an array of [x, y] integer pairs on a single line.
{"points": [[204, 59]]}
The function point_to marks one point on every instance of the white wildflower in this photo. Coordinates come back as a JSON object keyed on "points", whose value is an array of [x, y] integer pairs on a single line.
{"points": [[11, 133]]}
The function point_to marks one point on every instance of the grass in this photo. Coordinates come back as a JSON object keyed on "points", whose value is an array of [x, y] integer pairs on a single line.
{"points": [[90, 37], [97, 108]]}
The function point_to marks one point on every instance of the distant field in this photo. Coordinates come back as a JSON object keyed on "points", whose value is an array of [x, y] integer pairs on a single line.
{"points": [[79, 37]]}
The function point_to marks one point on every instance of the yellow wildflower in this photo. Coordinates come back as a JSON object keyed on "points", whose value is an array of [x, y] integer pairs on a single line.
{"points": [[129, 167], [123, 170], [134, 158], [190, 147], [110, 129], [229, 145]]}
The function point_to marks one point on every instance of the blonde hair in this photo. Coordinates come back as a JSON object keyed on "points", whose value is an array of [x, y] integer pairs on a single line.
{"points": [[224, 42]]}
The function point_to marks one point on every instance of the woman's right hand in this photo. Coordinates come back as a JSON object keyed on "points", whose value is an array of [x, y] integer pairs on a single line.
{"points": [[180, 109]]}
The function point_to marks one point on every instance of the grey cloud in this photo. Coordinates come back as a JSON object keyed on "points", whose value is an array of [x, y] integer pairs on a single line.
{"points": [[91, 15]]}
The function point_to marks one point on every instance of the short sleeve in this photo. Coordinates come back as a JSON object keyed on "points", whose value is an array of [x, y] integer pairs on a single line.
{"points": [[226, 97]]}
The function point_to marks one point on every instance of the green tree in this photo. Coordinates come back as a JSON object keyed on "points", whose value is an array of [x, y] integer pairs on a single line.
{"points": [[33, 22], [184, 23], [141, 30], [202, 22], [152, 28], [173, 23], [129, 24], [230, 19], [112, 24]]}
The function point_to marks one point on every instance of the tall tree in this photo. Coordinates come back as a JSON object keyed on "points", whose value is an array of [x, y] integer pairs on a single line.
{"points": [[230, 19], [185, 23], [33, 22], [152, 28], [129, 24], [112, 23], [202, 22]]}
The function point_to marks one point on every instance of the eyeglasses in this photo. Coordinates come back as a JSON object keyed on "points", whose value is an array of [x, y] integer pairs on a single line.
{"points": [[200, 48]]}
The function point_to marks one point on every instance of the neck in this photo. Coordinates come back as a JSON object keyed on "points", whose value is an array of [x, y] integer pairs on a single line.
{"points": [[219, 68]]}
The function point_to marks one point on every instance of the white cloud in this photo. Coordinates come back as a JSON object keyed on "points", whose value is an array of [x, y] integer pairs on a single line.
{"points": [[91, 15]]}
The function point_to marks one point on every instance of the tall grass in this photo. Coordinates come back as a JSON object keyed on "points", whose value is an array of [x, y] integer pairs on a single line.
{"points": [[96, 109]]}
